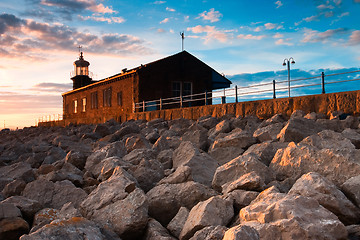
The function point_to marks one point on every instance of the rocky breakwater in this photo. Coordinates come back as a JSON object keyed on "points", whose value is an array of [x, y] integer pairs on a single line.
{"points": [[214, 178]]}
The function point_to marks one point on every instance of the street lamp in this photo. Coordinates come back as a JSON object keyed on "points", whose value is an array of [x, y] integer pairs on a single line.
{"points": [[287, 62]]}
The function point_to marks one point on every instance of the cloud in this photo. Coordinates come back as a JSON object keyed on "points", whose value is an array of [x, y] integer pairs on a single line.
{"points": [[271, 26], [344, 14], [170, 9], [257, 29], [316, 36], [278, 35], [355, 37], [308, 19], [212, 15], [250, 37], [161, 30], [278, 4], [28, 39], [104, 19], [166, 20], [64, 9], [284, 42], [52, 87], [211, 33], [159, 2]]}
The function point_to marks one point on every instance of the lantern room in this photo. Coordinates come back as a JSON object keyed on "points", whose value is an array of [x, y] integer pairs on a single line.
{"points": [[81, 67]]}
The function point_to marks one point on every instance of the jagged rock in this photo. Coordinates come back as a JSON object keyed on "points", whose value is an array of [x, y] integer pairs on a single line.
{"points": [[109, 165], [78, 159], [161, 144], [198, 137], [13, 228], [225, 154], [239, 166], [69, 211], [334, 124], [155, 231], [153, 136], [165, 157], [298, 159], [315, 186], [182, 174], [70, 229], [353, 136], [54, 195], [93, 162], [221, 127], [177, 223], [351, 188], [328, 139], [265, 151], [241, 198], [297, 114], [45, 169], [19, 170], [43, 217], [241, 232], [137, 155], [8, 210], [158, 123], [210, 233], [212, 212], [202, 165], [353, 232], [315, 116], [28, 207], [67, 172], [239, 139], [102, 130], [165, 200], [14, 188], [294, 216], [208, 122], [277, 118], [250, 182], [147, 173], [268, 133], [136, 142], [297, 128], [267, 231], [116, 188]]}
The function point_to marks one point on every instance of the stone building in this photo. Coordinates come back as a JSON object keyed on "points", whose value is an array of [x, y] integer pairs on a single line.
{"points": [[178, 75]]}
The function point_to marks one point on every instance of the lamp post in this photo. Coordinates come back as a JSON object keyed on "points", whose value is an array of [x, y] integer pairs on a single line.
{"points": [[287, 62]]}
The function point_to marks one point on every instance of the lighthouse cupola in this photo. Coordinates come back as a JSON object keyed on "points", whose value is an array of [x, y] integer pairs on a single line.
{"points": [[81, 75]]}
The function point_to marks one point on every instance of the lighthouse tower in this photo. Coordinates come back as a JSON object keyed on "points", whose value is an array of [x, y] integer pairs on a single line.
{"points": [[80, 75]]}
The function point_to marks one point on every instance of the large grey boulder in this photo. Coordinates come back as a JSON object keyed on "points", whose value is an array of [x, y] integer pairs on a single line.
{"points": [[238, 167], [294, 216], [268, 133], [265, 151], [221, 127], [118, 204], [298, 159], [212, 212], [198, 137], [165, 200], [155, 231], [12, 226], [71, 229], [351, 188], [28, 207], [93, 162], [54, 195], [202, 165], [225, 154], [298, 128], [237, 138], [250, 182], [177, 223], [240, 232], [328, 139], [315, 186], [20, 170], [210, 233]]}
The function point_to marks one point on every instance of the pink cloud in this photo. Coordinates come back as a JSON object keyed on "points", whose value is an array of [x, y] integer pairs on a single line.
{"points": [[212, 15]]}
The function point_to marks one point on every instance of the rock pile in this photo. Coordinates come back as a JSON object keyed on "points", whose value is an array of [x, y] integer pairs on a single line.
{"points": [[229, 178]]}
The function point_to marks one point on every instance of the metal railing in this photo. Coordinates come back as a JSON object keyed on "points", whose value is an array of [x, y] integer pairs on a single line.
{"points": [[49, 118], [273, 89]]}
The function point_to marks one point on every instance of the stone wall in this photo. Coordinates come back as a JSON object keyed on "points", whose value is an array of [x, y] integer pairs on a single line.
{"points": [[348, 102]]}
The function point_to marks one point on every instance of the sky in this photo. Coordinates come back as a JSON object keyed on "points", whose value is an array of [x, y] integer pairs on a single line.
{"points": [[247, 40]]}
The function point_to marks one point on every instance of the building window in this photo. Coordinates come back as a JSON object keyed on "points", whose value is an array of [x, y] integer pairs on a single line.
{"points": [[119, 99], [187, 90], [107, 97], [75, 106], [94, 100], [176, 89], [83, 104]]}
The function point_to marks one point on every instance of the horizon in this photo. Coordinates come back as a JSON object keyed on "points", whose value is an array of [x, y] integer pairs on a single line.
{"points": [[246, 41]]}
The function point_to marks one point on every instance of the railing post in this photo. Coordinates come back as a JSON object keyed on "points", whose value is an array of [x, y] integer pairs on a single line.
{"points": [[206, 97], [181, 101], [160, 104], [274, 90], [134, 107], [143, 105], [223, 98], [323, 83], [236, 94]]}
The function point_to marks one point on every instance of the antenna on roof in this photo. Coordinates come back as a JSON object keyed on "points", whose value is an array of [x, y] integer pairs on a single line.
{"points": [[79, 47], [182, 34]]}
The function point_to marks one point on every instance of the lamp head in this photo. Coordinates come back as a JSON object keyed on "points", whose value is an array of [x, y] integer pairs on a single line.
{"points": [[293, 62], [284, 63]]}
